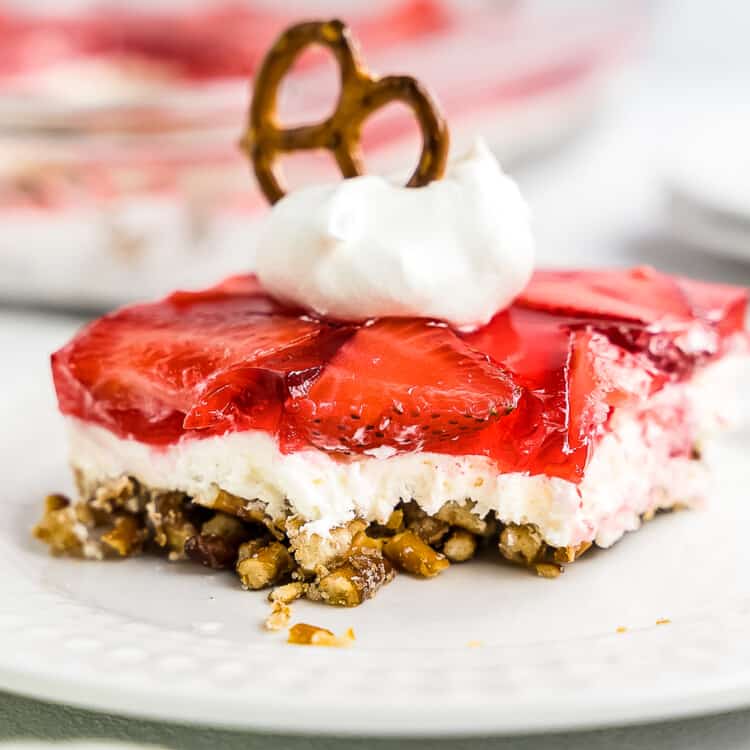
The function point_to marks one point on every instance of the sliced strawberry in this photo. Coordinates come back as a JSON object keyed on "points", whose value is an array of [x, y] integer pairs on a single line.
{"points": [[402, 383], [210, 362], [639, 294], [676, 322], [600, 376], [251, 395]]}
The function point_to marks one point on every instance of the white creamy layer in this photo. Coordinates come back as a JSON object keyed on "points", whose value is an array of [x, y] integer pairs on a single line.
{"points": [[630, 473], [459, 249]]}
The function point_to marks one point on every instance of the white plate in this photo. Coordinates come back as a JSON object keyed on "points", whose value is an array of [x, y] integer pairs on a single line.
{"points": [[177, 642]]}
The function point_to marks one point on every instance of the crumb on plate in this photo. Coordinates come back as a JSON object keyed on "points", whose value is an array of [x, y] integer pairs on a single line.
{"points": [[279, 616], [303, 634]]}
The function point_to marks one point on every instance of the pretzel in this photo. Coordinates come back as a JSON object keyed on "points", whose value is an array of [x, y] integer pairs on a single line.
{"points": [[361, 95]]}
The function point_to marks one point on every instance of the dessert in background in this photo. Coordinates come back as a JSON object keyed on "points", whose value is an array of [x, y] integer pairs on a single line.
{"points": [[119, 99]]}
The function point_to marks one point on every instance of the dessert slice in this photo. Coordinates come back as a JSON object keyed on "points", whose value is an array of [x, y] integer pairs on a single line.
{"points": [[395, 389], [224, 427]]}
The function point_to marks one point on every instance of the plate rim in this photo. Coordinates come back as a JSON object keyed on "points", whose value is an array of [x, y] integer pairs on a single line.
{"points": [[489, 721]]}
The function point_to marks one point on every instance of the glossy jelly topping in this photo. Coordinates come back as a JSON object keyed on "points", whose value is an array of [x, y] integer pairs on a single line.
{"points": [[533, 389]]}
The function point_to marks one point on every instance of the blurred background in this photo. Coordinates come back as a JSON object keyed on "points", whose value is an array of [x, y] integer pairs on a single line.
{"points": [[625, 121]]}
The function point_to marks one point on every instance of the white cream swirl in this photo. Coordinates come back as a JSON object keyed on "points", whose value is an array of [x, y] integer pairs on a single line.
{"points": [[459, 249]]}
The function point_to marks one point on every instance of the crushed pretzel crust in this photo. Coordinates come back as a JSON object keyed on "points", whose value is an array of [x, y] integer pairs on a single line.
{"points": [[122, 518]]}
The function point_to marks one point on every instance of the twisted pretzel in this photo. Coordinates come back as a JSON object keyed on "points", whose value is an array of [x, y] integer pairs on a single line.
{"points": [[361, 94]]}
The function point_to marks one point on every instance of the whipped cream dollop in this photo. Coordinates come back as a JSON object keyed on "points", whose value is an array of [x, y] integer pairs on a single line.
{"points": [[459, 249]]}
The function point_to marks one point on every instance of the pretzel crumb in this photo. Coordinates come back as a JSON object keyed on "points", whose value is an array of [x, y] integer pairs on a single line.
{"points": [[663, 621], [548, 570], [279, 616], [287, 593], [303, 634]]}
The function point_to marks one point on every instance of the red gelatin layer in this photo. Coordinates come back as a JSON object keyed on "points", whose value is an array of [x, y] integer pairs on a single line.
{"points": [[533, 389]]}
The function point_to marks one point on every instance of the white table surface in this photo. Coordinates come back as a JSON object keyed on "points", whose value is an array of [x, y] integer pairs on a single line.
{"points": [[596, 201]]}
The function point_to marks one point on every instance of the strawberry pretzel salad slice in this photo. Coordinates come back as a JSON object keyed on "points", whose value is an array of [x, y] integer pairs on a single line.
{"points": [[397, 387]]}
